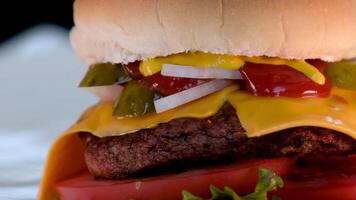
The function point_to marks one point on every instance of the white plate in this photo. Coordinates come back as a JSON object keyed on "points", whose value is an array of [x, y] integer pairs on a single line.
{"points": [[39, 99]]}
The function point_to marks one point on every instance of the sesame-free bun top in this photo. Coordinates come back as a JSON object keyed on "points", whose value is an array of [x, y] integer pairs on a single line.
{"points": [[122, 31]]}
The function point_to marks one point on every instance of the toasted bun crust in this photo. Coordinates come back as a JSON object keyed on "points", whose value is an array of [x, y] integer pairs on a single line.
{"points": [[123, 31]]}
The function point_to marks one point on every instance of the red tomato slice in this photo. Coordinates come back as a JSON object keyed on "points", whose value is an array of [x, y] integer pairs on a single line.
{"points": [[279, 80], [164, 85], [169, 187], [328, 178], [323, 178]]}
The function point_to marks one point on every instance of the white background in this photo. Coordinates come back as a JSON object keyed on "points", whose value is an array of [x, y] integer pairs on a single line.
{"points": [[39, 99]]}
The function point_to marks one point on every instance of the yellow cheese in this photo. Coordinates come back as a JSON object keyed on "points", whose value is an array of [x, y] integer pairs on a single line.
{"points": [[65, 159], [263, 115], [100, 121], [258, 115], [230, 62]]}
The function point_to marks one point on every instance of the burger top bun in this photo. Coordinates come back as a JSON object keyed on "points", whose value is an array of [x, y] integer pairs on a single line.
{"points": [[123, 31]]}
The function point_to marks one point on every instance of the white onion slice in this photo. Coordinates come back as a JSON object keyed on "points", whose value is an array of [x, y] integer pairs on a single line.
{"points": [[180, 98], [107, 92], [199, 72]]}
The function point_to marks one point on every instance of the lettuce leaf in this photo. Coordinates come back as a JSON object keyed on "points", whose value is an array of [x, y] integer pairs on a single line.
{"points": [[267, 181]]}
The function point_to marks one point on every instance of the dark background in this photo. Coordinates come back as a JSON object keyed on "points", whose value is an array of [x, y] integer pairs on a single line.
{"points": [[16, 16]]}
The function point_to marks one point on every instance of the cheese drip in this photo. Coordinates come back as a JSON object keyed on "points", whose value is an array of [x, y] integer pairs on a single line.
{"points": [[258, 115], [229, 62]]}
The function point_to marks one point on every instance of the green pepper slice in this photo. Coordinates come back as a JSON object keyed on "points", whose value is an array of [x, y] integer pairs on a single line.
{"points": [[136, 100], [343, 74], [104, 74]]}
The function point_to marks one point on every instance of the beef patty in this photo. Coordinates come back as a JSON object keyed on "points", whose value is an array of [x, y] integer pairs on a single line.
{"points": [[186, 142]]}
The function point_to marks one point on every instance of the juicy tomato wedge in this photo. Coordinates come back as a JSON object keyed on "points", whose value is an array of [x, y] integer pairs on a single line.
{"points": [[322, 178], [164, 85], [279, 80], [327, 178]]}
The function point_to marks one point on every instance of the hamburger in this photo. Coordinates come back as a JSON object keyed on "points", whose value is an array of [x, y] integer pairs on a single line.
{"points": [[211, 99]]}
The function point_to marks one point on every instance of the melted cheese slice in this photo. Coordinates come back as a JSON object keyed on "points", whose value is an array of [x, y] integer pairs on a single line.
{"points": [[263, 115], [258, 115], [99, 120]]}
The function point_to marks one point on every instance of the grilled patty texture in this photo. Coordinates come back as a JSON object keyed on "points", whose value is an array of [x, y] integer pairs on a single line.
{"points": [[187, 143]]}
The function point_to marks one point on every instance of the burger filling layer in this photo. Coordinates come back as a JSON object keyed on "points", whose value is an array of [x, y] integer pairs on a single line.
{"points": [[194, 109]]}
